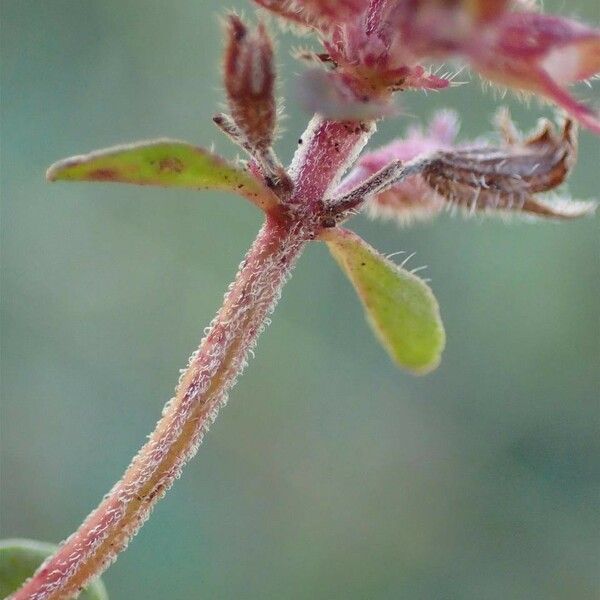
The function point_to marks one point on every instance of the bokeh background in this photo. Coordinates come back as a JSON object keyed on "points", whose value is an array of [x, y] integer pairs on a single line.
{"points": [[330, 474]]}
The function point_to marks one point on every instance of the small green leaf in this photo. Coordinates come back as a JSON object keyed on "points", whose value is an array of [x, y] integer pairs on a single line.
{"points": [[166, 163], [400, 307], [20, 558]]}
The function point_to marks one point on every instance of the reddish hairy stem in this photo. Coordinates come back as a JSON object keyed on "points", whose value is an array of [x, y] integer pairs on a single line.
{"points": [[201, 391], [211, 372], [326, 150], [385, 178]]}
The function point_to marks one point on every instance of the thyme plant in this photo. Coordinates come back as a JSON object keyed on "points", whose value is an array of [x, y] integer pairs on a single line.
{"points": [[371, 50]]}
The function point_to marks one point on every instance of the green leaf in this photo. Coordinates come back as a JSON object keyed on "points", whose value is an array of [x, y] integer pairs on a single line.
{"points": [[400, 307], [166, 163], [20, 558]]}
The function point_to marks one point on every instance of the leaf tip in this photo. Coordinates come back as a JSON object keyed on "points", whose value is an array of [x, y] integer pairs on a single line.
{"points": [[52, 172], [59, 171]]}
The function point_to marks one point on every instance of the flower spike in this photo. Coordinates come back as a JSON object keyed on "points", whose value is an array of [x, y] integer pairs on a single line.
{"points": [[372, 48]]}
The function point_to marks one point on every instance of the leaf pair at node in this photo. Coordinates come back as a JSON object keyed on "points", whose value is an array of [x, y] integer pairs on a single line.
{"points": [[399, 306]]}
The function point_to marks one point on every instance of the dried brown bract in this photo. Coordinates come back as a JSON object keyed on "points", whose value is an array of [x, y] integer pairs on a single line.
{"points": [[427, 172], [508, 177]]}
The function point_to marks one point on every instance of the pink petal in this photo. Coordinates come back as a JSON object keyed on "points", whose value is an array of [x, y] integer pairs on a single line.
{"points": [[587, 116], [320, 14], [541, 54], [567, 50]]}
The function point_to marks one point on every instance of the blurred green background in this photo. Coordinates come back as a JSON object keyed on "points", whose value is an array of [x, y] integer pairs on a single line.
{"points": [[330, 474]]}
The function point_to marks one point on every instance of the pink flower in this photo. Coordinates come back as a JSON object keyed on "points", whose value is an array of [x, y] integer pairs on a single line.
{"points": [[540, 54], [376, 47]]}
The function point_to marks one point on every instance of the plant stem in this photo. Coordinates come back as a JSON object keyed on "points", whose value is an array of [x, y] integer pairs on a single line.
{"points": [[201, 391], [211, 372], [393, 174]]}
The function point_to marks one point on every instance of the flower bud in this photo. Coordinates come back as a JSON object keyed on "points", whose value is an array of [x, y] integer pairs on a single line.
{"points": [[249, 82]]}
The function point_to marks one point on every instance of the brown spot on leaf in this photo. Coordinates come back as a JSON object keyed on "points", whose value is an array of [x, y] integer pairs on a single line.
{"points": [[170, 165], [104, 175]]}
